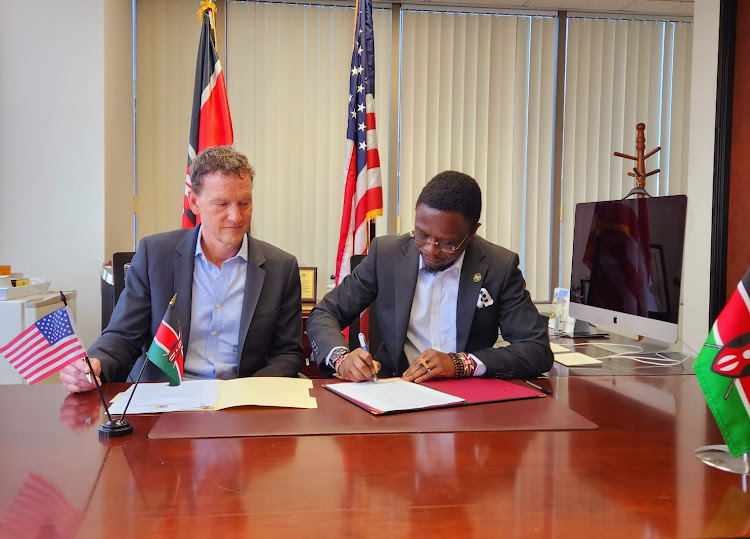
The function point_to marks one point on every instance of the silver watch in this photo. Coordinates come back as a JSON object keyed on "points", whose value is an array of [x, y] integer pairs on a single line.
{"points": [[335, 355]]}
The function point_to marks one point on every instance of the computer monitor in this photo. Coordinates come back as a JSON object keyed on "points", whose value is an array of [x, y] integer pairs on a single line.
{"points": [[627, 265]]}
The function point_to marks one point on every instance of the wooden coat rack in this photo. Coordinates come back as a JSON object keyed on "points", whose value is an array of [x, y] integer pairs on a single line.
{"points": [[639, 170]]}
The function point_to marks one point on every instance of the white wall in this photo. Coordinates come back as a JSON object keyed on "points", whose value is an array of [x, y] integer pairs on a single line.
{"points": [[697, 264], [52, 146]]}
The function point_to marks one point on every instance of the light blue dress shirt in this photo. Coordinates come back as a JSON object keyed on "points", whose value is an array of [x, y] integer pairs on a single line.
{"points": [[218, 295]]}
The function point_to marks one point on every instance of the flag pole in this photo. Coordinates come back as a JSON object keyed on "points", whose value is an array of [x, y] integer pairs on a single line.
{"points": [[143, 368]]}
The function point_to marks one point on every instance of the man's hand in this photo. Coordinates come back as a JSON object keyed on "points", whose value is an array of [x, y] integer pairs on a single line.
{"points": [[73, 377], [430, 364], [358, 366]]}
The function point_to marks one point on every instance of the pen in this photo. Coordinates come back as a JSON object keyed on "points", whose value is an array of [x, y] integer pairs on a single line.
{"points": [[363, 344], [540, 388]]}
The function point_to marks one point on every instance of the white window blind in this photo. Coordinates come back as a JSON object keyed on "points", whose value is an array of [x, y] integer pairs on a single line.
{"points": [[287, 72], [621, 73], [288, 87], [477, 95]]}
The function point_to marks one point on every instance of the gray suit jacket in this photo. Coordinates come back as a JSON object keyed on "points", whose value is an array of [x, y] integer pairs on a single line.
{"points": [[389, 273], [270, 325]]}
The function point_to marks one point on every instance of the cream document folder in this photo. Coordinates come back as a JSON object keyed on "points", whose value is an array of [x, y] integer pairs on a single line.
{"points": [[216, 395]]}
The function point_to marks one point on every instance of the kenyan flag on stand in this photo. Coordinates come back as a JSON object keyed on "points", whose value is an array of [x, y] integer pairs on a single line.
{"points": [[166, 350], [723, 369]]}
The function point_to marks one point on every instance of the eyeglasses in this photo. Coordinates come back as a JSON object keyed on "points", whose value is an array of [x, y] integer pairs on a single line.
{"points": [[422, 240]]}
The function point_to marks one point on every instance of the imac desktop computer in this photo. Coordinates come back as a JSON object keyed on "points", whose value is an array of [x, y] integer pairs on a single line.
{"points": [[627, 265]]}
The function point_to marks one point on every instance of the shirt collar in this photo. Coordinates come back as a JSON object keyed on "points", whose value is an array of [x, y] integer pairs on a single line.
{"points": [[459, 263], [242, 253]]}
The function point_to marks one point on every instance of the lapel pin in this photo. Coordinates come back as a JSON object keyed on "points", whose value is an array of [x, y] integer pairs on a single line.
{"points": [[477, 277]]}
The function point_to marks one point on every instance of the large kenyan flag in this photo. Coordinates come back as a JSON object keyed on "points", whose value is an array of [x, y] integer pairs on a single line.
{"points": [[166, 350], [723, 369], [210, 124]]}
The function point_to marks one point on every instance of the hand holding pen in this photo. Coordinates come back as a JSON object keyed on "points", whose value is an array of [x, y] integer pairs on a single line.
{"points": [[358, 365], [363, 344]]}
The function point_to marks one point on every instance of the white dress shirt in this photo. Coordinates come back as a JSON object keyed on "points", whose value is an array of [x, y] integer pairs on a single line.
{"points": [[432, 322]]}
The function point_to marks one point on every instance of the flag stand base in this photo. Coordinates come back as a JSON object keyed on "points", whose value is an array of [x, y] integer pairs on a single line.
{"points": [[116, 428], [718, 456]]}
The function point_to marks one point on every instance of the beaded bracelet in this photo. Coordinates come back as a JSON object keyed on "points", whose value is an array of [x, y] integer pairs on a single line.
{"points": [[457, 365], [463, 364], [338, 363]]}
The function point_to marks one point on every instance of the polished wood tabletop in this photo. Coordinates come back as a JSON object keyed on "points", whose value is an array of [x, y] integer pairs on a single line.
{"points": [[635, 476]]}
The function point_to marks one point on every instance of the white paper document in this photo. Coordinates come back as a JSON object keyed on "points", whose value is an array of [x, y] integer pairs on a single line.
{"points": [[150, 398], [393, 394], [216, 395]]}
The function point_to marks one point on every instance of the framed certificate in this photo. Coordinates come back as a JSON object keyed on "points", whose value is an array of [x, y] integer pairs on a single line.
{"points": [[309, 279]]}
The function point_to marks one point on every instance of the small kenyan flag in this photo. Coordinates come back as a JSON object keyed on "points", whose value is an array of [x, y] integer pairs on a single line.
{"points": [[723, 370], [166, 350]]}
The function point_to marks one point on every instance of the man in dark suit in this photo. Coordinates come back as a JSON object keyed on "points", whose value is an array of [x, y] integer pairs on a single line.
{"points": [[442, 294], [238, 298]]}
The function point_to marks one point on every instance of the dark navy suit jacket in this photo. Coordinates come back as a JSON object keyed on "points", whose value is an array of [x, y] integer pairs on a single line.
{"points": [[389, 273], [270, 325]]}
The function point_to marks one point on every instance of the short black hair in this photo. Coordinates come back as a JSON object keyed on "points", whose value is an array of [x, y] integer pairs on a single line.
{"points": [[454, 191]]}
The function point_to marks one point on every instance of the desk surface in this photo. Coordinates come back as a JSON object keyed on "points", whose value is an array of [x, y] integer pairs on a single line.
{"points": [[635, 476], [622, 366]]}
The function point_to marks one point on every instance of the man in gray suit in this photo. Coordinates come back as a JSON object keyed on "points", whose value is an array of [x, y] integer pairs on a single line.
{"points": [[238, 298], [442, 294]]}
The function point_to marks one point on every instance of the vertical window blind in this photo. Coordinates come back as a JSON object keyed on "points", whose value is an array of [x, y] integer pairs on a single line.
{"points": [[476, 94], [620, 73]]}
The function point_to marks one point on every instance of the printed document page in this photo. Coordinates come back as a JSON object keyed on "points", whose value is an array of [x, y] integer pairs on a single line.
{"points": [[394, 394], [152, 398]]}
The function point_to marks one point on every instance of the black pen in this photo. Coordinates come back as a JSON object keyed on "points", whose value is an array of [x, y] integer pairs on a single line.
{"points": [[363, 344], [540, 388]]}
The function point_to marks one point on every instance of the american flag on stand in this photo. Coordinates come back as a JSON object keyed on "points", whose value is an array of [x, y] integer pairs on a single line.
{"points": [[363, 193], [210, 123], [44, 348]]}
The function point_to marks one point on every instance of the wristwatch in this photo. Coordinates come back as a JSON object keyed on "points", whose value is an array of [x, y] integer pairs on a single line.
{"points": [[335, 355]]}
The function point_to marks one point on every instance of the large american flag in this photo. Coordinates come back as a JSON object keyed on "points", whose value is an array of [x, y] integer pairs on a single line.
{"points": [[44, 348], [210, 122], [363, 193]]}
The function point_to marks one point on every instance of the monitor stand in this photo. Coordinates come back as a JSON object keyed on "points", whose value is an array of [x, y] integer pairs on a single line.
{"points": [[582, 330]]}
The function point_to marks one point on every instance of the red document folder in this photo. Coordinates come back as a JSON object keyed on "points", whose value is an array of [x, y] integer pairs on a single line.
{"points": [[471, 390]]}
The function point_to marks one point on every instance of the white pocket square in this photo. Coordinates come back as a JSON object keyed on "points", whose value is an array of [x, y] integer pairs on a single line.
{"points": [[485, 300]]}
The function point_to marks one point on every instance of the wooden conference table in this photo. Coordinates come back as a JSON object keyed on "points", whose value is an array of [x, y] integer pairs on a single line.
{"points": [[634, 476]]}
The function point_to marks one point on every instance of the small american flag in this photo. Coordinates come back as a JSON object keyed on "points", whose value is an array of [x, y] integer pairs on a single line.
{"points": [[44, 348], [363, 192]]}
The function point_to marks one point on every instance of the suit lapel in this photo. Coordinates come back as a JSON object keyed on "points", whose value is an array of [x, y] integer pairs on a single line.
{"points": [[473, 273], [184, 262], [405, 270], [253, 286]]}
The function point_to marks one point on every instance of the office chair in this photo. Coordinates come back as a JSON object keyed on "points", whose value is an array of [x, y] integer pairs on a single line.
{"points": [[111, 292]]}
